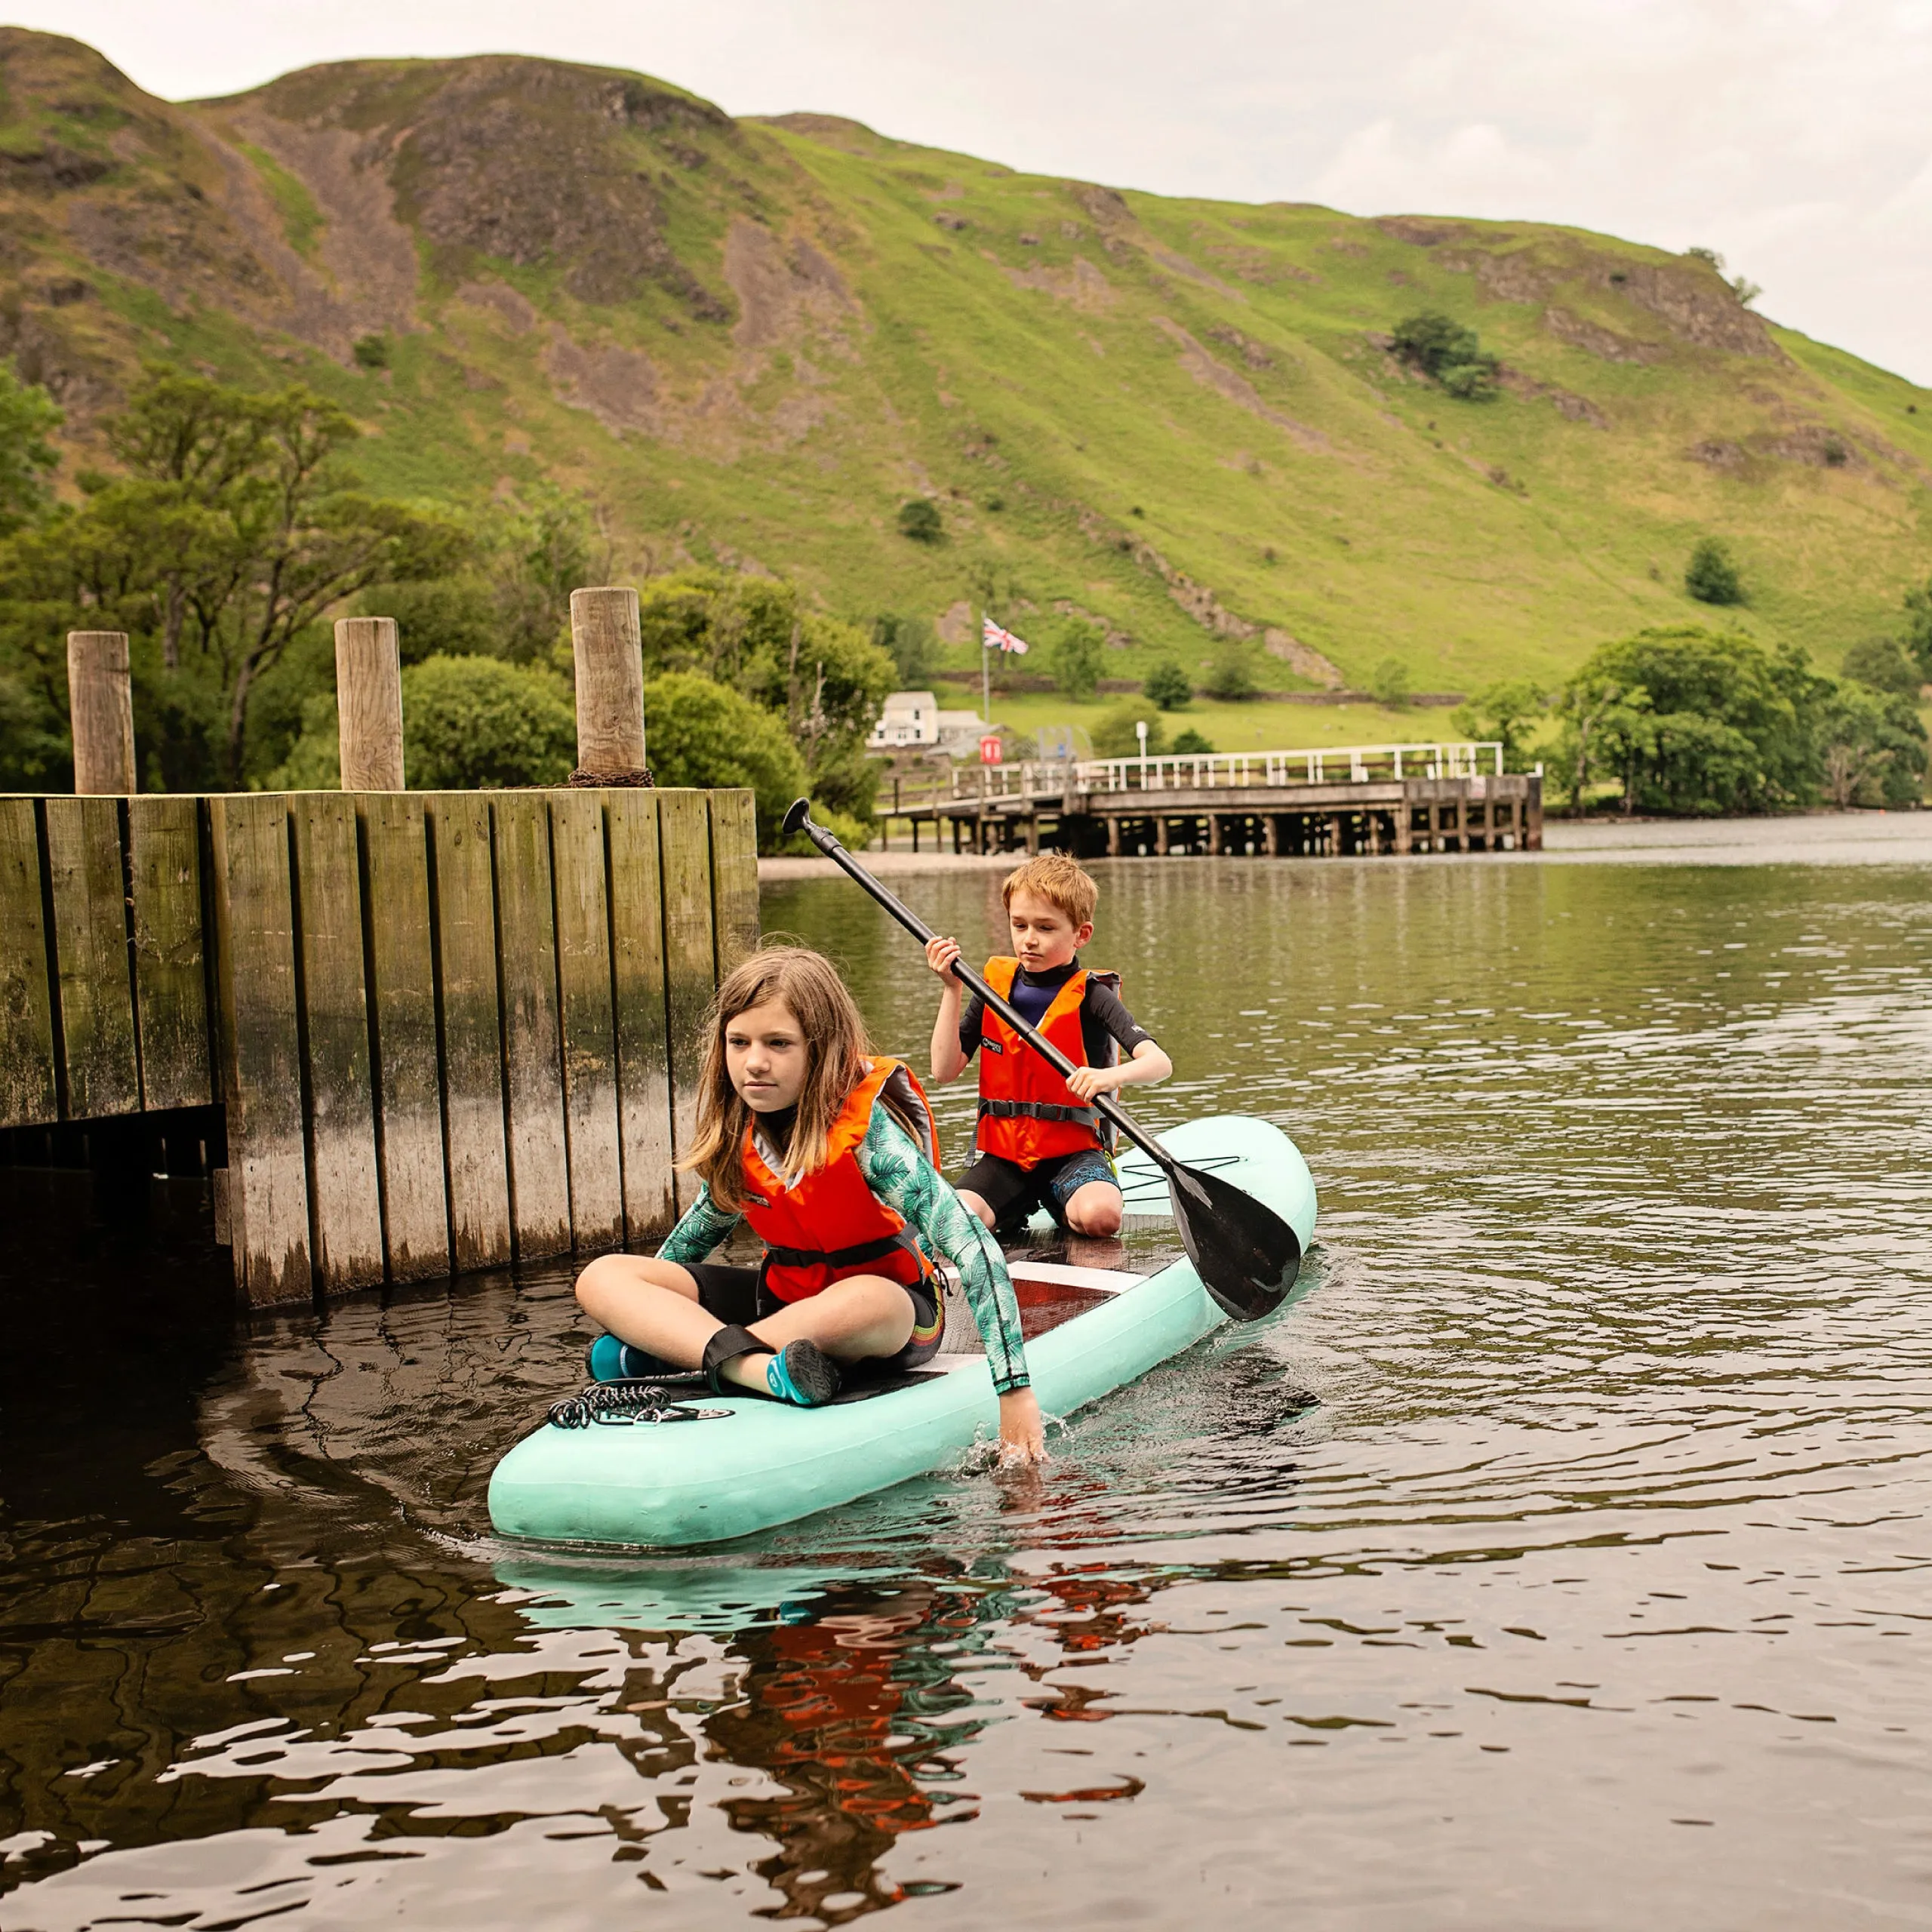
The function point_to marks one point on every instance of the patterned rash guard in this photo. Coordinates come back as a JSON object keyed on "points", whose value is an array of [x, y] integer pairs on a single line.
{"points": [[907, 1183]]}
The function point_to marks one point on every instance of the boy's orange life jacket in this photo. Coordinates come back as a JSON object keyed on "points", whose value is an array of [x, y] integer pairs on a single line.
{"points": [[828, 1224], [1027, 1112]]}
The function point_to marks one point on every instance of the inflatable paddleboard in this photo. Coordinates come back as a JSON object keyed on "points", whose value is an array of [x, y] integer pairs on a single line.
{"points": [[735, 1464]]}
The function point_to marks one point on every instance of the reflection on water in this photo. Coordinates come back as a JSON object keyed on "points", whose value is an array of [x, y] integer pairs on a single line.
{"points": [[1561, 1559]]}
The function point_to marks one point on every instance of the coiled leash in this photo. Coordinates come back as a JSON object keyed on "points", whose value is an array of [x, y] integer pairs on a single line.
{"points": [[624, 1404]]}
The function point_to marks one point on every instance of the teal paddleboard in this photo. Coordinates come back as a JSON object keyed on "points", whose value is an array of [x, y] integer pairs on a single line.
{"points": [[749, 1465]]}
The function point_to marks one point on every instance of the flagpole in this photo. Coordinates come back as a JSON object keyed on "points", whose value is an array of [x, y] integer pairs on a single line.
{"points": [[985, 674]]}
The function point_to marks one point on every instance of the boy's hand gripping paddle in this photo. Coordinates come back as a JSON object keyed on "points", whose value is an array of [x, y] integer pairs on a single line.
{"points": [[1246, 1255]]}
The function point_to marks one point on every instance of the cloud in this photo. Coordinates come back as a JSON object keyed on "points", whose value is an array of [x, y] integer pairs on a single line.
{"points": [[1791, 135]]}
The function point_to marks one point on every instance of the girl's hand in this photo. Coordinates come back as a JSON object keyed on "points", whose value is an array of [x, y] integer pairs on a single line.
{"points": [[1021, 1437], [1084, 1082], [940, 953]]}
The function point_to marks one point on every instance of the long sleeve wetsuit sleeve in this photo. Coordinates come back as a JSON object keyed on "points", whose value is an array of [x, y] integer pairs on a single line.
{"points": [[908, 1183], [699, 1229]]}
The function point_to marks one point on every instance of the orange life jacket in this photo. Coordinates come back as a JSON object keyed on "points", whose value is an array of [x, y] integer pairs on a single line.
{"points": [[828, 1224], [1027, 1112]]}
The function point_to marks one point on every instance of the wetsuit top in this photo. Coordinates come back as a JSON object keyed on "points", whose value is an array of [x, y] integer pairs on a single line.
{"points": [[902, 1177], [1103, 1017]]}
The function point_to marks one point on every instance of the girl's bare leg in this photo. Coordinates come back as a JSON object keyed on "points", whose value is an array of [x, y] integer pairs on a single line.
{"points": [[1096, 1210], [653, 1305]]}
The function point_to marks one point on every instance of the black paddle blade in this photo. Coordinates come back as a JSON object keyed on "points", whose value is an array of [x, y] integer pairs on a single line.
{"points": [[795, 819], [1246, 1255]]}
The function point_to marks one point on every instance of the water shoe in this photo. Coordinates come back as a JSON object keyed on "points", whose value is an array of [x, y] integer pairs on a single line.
{"points": [[802, 1372], [610, 1360]]}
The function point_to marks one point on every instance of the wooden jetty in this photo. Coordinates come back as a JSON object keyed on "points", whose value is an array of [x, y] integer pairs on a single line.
{"points": [[1355, 800], [421, 1031]]}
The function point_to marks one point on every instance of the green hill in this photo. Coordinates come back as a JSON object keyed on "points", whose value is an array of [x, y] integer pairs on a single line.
{"points": [[750, 342]]}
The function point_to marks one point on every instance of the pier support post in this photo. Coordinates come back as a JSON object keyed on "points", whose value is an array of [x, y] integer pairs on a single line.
{"points": [[1161, 836], [1271, 836], [608, 647], [101, 703], [368, 703], [1113, 834], [1213, 834]]}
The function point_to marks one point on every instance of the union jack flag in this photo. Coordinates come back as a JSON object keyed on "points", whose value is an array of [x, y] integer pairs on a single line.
{"points": [[991, 637]]}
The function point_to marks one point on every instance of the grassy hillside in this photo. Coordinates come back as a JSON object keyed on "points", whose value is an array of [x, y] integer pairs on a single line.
{"points": [[750, 342]]}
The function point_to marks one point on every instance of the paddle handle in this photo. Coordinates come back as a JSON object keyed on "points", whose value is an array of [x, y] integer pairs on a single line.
{"points": [[798, 819]]}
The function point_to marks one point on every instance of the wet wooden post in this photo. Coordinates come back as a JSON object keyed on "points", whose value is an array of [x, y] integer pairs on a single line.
{"points": [[607, 645], [100, 704], [170, 966], [94, 984], [690, 957], [29, 1092], [637, 973], [368, 702]]}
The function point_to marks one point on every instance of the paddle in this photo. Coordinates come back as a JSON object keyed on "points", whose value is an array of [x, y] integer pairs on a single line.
{"points": [[1246, 1255]]}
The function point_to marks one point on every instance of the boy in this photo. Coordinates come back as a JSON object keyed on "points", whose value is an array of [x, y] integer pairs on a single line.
{"points": [[1038, 1143]]}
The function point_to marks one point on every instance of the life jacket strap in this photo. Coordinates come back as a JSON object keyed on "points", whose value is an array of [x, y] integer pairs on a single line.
{"points": [[845, 1257], [1038, 1110]]}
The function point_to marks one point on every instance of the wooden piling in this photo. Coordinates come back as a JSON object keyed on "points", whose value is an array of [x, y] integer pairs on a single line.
{"points": [[170, 965], [29, 1093], [607, 642], [690, 957], [400, 967], [534, 1123], [94, 986], [733, 876], [100, 705], [464, 933], [369, 700], [268, 1183], [345, 1200], [586, 1023], [642, 1020]]}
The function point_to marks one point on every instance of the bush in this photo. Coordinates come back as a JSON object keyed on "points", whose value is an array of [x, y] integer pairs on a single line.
{"points": [[1447, 352], [1077, 655], [1167, 687], [1231, 676], [1711, 576], [1918, 628], [478, 722], [1190, 744], [697, 732], [1388, 684], [372, 352], [919, 519], [1114, 736], [1884, 664]]}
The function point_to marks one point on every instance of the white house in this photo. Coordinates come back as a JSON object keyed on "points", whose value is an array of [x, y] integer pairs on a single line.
{"points": [[910, 718]]}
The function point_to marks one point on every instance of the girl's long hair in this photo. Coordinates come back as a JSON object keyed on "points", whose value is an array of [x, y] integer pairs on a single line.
{"points": [[837, 1050]]}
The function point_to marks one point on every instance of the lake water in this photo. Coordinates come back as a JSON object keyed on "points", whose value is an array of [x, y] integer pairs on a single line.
{"points": [[1562, 1559]]}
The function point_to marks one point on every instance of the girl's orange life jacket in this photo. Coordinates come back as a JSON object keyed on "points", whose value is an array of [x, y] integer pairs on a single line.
{"points": [[1027, 1112], [820, 1227]]}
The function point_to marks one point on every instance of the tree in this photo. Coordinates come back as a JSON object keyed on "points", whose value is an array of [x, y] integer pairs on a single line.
{"points": [[1692, 720], [28, 417], [1077, 655], [1711, 576], [480, 722], [913, 646], [1231, 675], [1508, 713], [1874, 748], [1167, 686], [919, 519], [1918, 627], [1388, 684], [1190, 744], [1884, 664], [825, 678], [1447, 353], [1115, 736]]}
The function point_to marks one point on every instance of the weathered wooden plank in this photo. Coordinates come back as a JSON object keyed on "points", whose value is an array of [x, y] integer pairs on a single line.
{"points": [[733, 875], [470, 1031], [637, 961], [30, 1090], [345, 1194], [171, 966], [533, 1072], [261, 1052], [402, 1006], [690, 955], [96, 1014], [589, 1039]]}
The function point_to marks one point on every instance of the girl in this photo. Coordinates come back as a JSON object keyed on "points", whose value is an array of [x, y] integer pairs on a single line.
{"points": [[828, 1151]]}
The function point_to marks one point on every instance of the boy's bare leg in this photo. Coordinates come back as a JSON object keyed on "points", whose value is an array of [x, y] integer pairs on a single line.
{"points": [[1096, 1210], [974, 1204], [653, 1305]]}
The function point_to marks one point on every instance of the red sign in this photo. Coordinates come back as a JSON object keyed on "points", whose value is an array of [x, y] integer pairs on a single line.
{"points": [[989, 749]]}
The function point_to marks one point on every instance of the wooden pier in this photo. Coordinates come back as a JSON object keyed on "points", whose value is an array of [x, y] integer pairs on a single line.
{"points": [[1356, 801]]}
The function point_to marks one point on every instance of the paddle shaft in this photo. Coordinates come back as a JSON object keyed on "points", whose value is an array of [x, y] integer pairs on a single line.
{"points": [[1103, 1103]]}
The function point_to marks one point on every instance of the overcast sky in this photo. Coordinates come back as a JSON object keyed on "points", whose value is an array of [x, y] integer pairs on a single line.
{"points": [[1793, 136]]}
